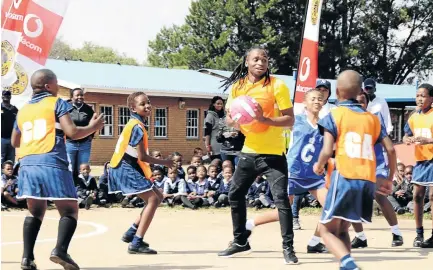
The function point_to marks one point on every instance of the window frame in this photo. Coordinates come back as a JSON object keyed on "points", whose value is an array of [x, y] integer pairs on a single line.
{"points": [[119, 125], [196, 127], [155, 127], [112, 121]]}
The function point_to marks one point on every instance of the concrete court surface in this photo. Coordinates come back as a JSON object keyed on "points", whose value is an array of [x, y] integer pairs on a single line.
{"points": [[188, 239]]}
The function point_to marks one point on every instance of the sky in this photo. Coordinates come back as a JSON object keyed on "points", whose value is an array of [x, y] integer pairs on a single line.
{"points": [[126, 25]]}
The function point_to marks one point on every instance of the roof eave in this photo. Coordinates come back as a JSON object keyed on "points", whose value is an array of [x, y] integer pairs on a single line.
{"points": [[155, 93]]}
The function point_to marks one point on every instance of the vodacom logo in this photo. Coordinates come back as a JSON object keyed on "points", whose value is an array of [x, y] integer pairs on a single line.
{"points": [[39, 26], [305, 69]]}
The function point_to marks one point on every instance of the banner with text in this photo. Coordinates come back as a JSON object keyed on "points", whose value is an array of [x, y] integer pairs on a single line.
{"points": [[308, 62], [29, 29]]}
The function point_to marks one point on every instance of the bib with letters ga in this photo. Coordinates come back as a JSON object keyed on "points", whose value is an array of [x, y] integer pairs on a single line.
{"points": [[123, 147], [357, 133], [37, 123]]}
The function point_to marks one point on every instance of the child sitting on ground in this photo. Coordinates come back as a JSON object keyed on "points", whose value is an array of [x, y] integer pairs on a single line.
{"points": [[159, 178], [196, 161], [87, 188], [178, 159], [176, 190], [257, 194], [223, 192], [9, 185], [213, 184]]}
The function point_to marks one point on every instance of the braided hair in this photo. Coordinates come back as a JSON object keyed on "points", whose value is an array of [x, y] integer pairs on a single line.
{"points": [[241, 71]]}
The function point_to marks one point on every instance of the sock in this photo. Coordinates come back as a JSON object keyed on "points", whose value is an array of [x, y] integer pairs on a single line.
{"points": [[347, 262], [250, 224], [67, 226], [395, 230], [30, 233], [420, 231], [315, 240], [132, 230], [361, 235], [137, 240]]}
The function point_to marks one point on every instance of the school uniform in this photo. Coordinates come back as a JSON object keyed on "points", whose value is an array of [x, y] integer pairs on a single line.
{"points": [[223, 192], [382, 167], [85, 187], [200, 188], [353, 183], [128, 174], [212, 185], [160, 184], [257, 194], [304, 151], [43, 172], [421, 125], [181, 173], [10, 189]]}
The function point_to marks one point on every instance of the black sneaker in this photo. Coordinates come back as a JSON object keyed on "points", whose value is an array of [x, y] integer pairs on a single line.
{"points": [[358, 243], [88, 203], [417, 242], [217, 205], [28, 264], [319, 248], [397, 240], [235, 250], [127, 238], [428, 243], [289, 256], [64, 260], [143, 248], [400, 211]]}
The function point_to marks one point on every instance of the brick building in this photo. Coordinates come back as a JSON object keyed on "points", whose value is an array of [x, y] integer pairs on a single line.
{"points": [[180, 99]]}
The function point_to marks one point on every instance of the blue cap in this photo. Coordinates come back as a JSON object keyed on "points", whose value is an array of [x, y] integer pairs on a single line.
{"points": [[323, 83], [369, 83]]}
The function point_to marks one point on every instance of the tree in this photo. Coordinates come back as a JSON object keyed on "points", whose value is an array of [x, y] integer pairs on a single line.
{"points": [[89, 53], [387, 39]]}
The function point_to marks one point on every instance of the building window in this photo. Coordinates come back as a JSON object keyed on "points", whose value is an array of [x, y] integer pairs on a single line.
{"points": [[192, 123], [160, 127], [124, 115], [107, 130]]}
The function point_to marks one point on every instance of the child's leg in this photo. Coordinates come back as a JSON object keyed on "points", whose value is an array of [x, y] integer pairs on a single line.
{"points": [[186, 202], [418, 199], [68, 210], [336, 237], [387, 209], [32, 224]]}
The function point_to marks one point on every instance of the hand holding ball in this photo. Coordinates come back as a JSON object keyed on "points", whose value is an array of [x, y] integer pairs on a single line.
{"points": [[243, 110]]}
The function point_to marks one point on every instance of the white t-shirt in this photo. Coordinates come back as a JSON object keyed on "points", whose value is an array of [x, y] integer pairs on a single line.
{"points": [[379, 105], [326, 109]]}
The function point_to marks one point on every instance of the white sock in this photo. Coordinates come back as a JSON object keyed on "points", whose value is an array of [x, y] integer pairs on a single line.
{"points": [[361, 235], [315, 240], [395, 230], [250, 224]]}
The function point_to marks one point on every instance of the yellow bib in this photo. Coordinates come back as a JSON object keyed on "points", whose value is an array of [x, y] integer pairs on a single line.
{"points": [[123, 147], [37, 123]]}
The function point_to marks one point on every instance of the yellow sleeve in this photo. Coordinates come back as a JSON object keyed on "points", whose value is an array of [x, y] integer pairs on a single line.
{"points": [[229, 101], [282, 95]]}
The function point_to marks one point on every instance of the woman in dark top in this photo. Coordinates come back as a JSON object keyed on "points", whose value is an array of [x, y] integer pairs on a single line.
{"points": [[79, 150], [215, 120]]}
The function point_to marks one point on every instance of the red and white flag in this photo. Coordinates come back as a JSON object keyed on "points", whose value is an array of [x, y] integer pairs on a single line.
{"points": [[29, 29], [308, 68]]}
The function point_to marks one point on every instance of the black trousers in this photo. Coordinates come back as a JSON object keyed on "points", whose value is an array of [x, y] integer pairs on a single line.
{"points": [[274, 168]]}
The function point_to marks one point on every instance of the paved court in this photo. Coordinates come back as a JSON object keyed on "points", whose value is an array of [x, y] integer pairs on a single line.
{"points": [[190, 240]]}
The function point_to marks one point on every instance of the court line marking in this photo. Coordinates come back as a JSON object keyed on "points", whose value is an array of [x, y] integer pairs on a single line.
{"points": [[99, 229]]}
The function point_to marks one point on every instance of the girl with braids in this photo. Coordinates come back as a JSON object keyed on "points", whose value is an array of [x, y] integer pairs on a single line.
{"points": [[263, 150], [130, 172]]}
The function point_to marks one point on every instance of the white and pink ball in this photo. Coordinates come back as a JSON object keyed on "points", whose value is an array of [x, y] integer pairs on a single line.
{"points": [[242, 109]]}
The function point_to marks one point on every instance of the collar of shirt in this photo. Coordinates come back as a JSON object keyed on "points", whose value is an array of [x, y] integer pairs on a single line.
{"points": [[78, 107], [349, 102], [39, 96], [138, 117], [201, 183]]}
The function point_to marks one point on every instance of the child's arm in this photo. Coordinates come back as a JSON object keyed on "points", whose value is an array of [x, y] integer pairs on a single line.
{"points": [[408, 135], [325, 154], [15, 137], [143, 156], [74, 132], [423, 140]]}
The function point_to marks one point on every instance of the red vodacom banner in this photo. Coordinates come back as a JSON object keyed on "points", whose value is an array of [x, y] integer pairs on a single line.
{"points": [[30, 28], [308, 61], [40, 28]]}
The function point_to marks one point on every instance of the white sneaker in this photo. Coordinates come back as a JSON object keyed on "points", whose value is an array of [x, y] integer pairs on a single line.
{"points": [[296, 224]]}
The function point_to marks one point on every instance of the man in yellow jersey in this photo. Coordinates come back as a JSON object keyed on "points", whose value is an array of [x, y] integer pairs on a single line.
{"points": [[264, 148]]}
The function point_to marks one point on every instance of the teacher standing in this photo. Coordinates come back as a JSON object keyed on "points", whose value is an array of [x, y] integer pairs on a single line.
{"points": [[263, 150], [214, 121], [79, 150]]}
